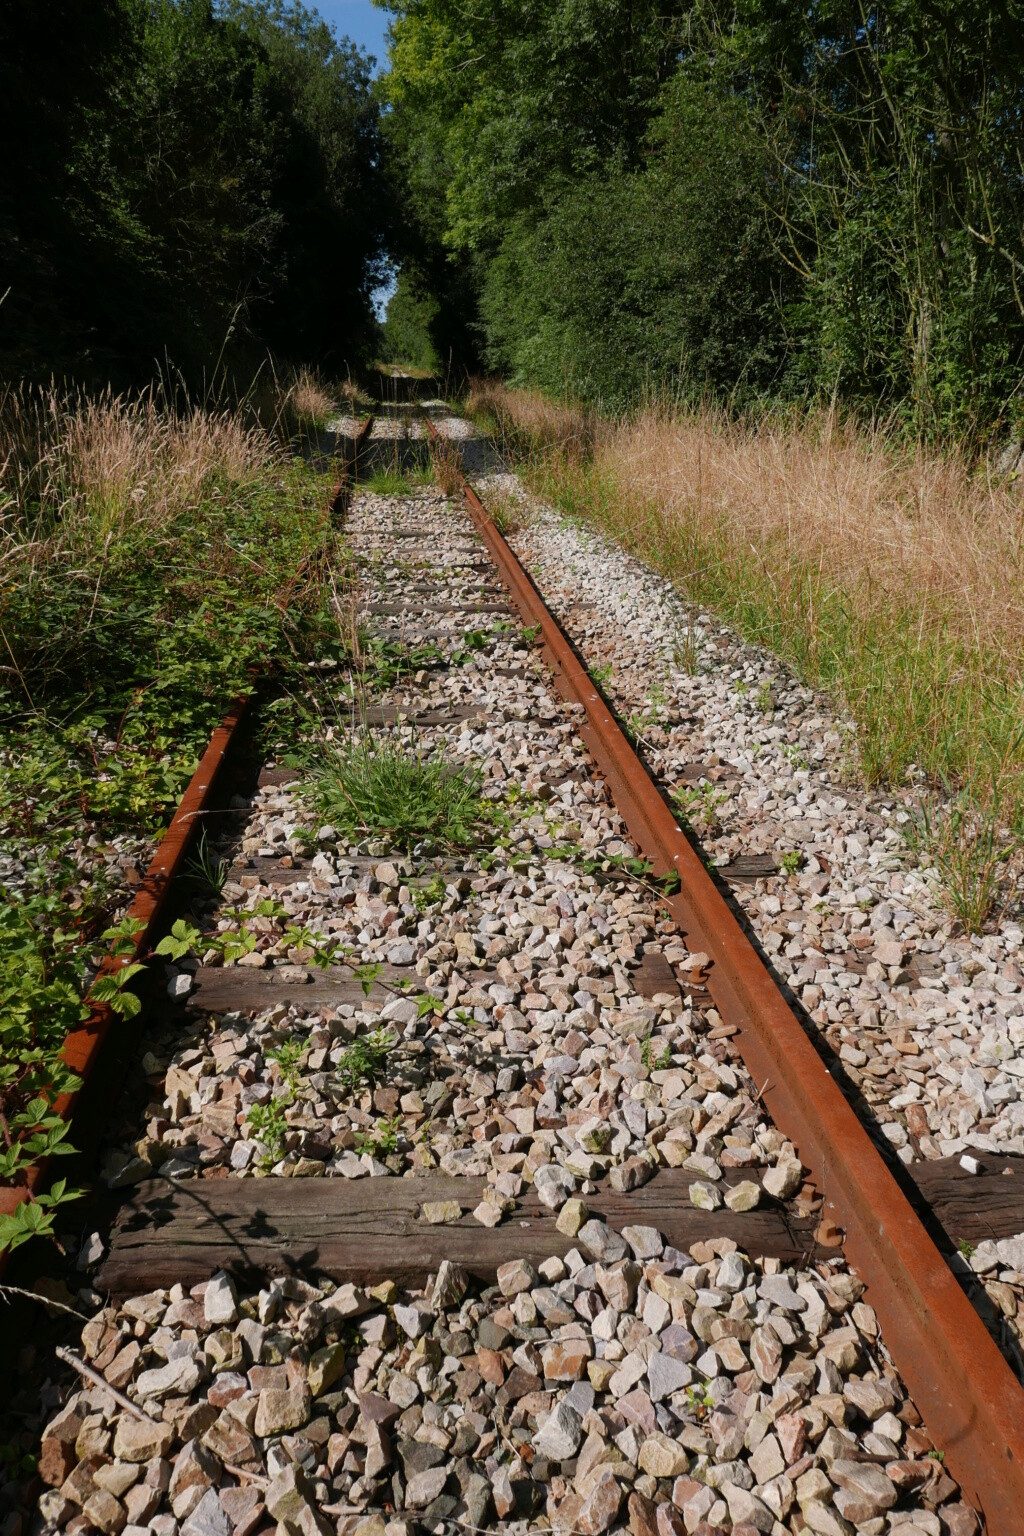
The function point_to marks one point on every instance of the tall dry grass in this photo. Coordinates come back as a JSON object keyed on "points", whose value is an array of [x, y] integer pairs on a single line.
{"points": [[306, 401], [77, 472], [888, 572]]}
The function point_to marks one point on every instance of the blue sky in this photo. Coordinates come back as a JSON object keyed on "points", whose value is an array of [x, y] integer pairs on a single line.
{"points": [[366, 25], [358, 19]]}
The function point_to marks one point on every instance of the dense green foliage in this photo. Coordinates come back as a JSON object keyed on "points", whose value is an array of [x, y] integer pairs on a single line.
{"points": [[411, 316], [152, 561], [182, 181], [767, 199]]}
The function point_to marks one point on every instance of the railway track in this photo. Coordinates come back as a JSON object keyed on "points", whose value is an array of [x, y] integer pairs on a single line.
{"points": [[552, 1095]]}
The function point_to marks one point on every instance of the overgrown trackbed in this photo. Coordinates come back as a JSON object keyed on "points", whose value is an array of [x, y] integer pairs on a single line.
{"points": [[537, 1008]]}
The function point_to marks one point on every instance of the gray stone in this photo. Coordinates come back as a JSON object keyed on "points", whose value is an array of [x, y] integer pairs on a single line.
{"points": [[560, 1435], [646, 1242], [178, 1378], [666, 1375], [863, 1490], [220, 1304], [783, 1181], [424, 1487], [515, 1277], [413, 1320], [602, 1241], [208, 1518], [450, 1286], [554, 1185], [778, 1289]]}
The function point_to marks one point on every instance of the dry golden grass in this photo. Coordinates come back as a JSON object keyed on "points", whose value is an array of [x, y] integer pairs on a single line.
{"points": [[892, 574], [307, 399], [76, 472], [528, 421], [895, 525], [447, 465]]}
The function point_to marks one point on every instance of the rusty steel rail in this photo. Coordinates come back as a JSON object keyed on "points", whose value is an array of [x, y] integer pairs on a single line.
{"points": [[971, 1402], [83, 1047]]}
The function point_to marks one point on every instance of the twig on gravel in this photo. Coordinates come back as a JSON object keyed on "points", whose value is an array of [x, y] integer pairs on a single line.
{"points": [[46, 1301], [246, 1476], [76, 1364]]}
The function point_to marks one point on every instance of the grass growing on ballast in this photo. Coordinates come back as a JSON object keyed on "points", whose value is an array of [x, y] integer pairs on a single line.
{"points": [[890, 574], [394, 481], [375, 786]]}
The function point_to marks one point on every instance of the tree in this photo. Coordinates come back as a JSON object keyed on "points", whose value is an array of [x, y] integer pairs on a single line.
{"points": [[198, 183]]}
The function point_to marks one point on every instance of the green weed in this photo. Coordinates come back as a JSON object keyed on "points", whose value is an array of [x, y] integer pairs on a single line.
{"points": [[364, 1062], [269, 1121], [507, 513], [383, 663], [969, 850], [152, 562], [207, 869], [686, 650], [698, 805], [378, 787], [430, 893], [398, 482], [382, 1140]]}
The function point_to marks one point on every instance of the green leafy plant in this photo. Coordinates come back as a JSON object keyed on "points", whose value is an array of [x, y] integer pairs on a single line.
{"points": [[183, 938], [270, 1124], [41, 979], [113, 988], [35, 1217], [429, 893], [790, 862], [382, 1140], [766, 698], [367, 974], [269, 1121], [199, 553], [381, 663], [699, 1400], [698, 805], [364, 1062], [208, 869]]}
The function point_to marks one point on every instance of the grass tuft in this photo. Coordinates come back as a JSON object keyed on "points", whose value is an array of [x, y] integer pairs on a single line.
{"points": [[447, 466], [377, 787], [969, 851], [398, 482], [306, 404]]}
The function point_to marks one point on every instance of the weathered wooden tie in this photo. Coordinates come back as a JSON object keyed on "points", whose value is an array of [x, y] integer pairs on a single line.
{"points": [[363, 1229]]}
